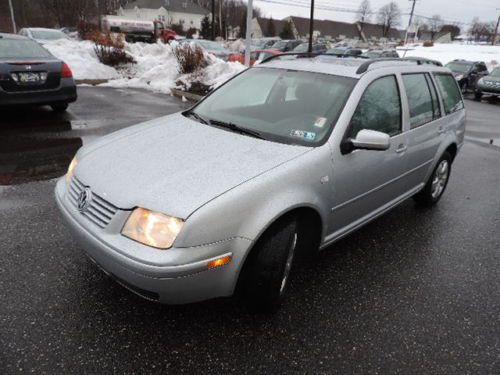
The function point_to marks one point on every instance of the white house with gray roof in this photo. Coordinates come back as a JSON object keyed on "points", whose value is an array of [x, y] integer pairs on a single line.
{"points": [[185, 12]]}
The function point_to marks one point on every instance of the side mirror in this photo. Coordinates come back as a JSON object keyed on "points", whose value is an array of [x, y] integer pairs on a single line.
{"points": [[367, 140]]}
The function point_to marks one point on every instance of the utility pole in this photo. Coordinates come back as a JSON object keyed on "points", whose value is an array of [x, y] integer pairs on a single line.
{"points": [[496, 29], [14, 27], [409, 24], [213, 19], [248, 42], [311, 27], [411, 19]]}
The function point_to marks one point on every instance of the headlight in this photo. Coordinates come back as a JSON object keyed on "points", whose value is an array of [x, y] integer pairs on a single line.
{"points": [[481, 81], [459, 77], [71, 168], [152, 228]]}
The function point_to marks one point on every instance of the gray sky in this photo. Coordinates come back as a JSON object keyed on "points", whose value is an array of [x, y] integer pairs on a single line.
{"points": [[451, 10]]}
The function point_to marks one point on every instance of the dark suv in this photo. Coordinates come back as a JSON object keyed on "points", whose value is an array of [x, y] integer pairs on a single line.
{"points": [[488, 85], [344, 52], [467, 73]]}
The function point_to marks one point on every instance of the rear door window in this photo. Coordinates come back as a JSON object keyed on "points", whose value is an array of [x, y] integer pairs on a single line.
{"points": [[420, 99], [379, 108], [452, 99]]}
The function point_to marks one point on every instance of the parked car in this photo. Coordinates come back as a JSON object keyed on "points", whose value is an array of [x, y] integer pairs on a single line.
{"points": [[380, 53], [42, 35], [263, 43], [210, 47], [316, 48], [467, 73], [287, 157], [30, 75], [422, 60], [286, 45], [345, 52], [488, 85], [255, 56]]}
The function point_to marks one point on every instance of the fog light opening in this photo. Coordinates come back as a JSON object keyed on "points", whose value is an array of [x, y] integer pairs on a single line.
{"points": [[219, 262]]}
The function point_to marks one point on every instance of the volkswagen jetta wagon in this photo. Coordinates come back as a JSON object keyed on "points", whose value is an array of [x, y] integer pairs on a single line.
{"points": [[288, 156]]}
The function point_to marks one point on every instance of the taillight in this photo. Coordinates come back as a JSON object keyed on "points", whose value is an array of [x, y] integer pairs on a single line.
{"points": [[66, 71]]}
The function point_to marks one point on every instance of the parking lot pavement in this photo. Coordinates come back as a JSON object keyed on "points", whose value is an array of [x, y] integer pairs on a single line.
{"points": [[483, 122], [414, 292]]}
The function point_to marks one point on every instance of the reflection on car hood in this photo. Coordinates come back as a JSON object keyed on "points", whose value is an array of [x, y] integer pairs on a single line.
{"points": [[175, 165]]}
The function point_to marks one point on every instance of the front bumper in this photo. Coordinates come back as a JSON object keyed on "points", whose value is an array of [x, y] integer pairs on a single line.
{"points": [[488, 90], [65, 93], [170, 281]]}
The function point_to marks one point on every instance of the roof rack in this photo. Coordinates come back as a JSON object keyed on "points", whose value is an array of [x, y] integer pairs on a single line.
{"points": [[363, 68]]}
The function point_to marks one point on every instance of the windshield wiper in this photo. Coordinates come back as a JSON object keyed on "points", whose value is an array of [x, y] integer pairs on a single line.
{"points": [[236, 128], [198, 117]]}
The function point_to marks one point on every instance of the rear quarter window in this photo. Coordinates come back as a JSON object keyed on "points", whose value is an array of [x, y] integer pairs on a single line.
{"points": [[452, 99]]}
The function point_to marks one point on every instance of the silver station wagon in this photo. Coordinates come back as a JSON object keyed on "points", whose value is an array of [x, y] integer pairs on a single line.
{"points": [[286, 157]]}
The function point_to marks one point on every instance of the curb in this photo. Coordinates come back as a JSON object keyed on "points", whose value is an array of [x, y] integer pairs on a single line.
{"points": [[188, 95], [92, 82]]}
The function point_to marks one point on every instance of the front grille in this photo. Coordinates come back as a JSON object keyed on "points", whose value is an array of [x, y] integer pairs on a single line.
{"points": [[99, 211]]}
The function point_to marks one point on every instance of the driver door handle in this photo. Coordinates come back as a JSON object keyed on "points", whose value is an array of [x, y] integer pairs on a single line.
{"points": [[401, 148]]}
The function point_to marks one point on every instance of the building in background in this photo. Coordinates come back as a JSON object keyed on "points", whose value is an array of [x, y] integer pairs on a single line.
{"points": [[182, 12]]}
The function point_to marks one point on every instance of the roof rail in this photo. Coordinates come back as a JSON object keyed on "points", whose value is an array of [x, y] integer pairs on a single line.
{"points": [[297, 54], [420, 61]]}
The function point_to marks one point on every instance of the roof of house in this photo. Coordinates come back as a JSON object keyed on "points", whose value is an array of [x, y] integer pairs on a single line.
{"points": [[180, 6], [326, 27], [278, 25], [372, 30]]}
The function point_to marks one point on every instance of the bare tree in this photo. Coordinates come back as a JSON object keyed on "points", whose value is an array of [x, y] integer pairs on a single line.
{"points": [[482, 30], [388, 17], [364, 12], [435, 25]]}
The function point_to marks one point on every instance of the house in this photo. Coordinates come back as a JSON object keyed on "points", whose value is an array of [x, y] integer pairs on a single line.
{"points": [[323, 29], [260, 27], [184, 12]]}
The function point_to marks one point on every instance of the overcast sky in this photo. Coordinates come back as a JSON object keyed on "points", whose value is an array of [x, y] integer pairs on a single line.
{"points": [[451, 10]]}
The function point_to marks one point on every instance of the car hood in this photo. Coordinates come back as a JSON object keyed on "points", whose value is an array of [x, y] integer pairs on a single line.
{"points": [[174, 165]]}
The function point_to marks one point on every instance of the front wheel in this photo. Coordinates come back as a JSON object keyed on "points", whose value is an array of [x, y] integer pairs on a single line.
{"points": [[437, 183], [464, 87], [266, 276]]}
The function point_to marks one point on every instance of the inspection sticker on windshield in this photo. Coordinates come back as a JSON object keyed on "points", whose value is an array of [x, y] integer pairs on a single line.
{"points": [[308, 136], [320, 122]]}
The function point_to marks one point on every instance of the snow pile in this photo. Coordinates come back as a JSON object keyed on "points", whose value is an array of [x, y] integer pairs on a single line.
{"points": [[448, 52], [156, 67], [81, 58]]}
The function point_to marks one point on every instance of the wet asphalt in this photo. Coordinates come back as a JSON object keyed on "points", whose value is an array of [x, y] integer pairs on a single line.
{"points": [[415, 292]]}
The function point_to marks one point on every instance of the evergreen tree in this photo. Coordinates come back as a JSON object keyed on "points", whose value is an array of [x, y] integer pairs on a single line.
{"points": [[271, 30], [287, 32], [206, 28]]}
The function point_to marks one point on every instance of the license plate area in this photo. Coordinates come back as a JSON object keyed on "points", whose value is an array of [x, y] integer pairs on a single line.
{"points": [[29, 78]]}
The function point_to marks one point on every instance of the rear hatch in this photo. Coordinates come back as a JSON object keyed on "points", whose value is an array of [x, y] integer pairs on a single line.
{"points": [[28, 76]]}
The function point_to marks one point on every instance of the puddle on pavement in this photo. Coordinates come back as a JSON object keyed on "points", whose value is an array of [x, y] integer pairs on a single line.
{"points": [[35, 144]]}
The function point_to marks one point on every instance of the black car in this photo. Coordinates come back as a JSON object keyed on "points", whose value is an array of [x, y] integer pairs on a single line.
{"points": [[467, 73], [345, 52], [285, 45], [488, 85], [30, 75], [316, 47]]}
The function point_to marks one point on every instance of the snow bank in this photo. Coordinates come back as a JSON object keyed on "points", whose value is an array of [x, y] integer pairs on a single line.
{"points": [[448, 52], [81, 58], [156, 69]]}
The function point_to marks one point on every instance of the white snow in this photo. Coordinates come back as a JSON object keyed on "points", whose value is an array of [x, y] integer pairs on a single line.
{"points": [[156, 67], [81, 58], [448, 52]]}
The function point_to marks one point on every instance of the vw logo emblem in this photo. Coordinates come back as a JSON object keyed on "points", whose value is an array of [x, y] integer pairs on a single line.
{"points": [[84, 199]]}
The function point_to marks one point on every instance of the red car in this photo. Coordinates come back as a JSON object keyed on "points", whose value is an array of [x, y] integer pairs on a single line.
{"points": [[255, 56]]}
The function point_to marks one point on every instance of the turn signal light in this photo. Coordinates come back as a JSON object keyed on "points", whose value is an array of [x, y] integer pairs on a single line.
{"points": [[219, 262]]}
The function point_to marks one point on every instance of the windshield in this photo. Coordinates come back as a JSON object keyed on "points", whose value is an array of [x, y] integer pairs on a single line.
{"points": [[259, 56], [280, 44], [495, 72], [337, 51], [458, 67], [286, 106], [304, 47], [21, 49], [48, 34]]}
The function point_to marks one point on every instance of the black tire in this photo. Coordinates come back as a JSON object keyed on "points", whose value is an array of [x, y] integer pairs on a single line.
{"points": [[478, 96], [266, 273], [59, 107], [431, 194]]}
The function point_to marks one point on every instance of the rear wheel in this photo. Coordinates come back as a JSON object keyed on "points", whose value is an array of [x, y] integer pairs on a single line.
{"points": [[59, 107], [266, 276], [437, 183]]}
